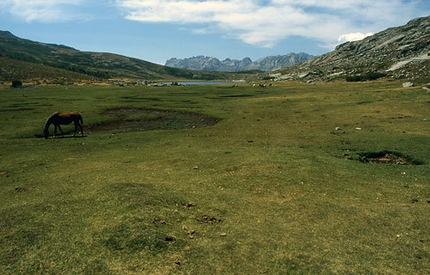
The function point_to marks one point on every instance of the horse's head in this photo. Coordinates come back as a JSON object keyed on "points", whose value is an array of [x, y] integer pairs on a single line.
{"points": [[46, 132]]}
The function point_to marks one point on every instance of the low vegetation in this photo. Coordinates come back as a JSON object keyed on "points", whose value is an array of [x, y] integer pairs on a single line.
{"points": [[365, 77], [241, 180]]}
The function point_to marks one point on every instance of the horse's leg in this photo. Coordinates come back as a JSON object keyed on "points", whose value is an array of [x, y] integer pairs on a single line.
{"points": [[76, 128], [61, 130], [77, 124]]}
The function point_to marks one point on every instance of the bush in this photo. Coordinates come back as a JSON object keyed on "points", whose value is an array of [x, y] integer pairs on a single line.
{"points": [[366, 77], [16, 84]]}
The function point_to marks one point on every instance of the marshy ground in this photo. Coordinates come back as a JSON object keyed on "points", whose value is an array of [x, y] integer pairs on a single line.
{"points": [[141, 119]]}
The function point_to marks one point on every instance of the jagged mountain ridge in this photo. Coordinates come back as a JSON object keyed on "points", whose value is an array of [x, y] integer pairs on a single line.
{"points": [[267, 64], [398, 52]]}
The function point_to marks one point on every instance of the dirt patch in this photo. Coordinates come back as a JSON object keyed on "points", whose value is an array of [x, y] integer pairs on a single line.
{"points": [[207, 219], [136, 119], [387, 157]]}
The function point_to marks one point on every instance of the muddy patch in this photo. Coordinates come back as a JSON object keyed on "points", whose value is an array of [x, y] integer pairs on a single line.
{"points": [[385, 157], [135, 119]]}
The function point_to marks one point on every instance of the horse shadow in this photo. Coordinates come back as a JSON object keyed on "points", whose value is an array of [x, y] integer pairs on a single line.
{"points": [[65, 136]]}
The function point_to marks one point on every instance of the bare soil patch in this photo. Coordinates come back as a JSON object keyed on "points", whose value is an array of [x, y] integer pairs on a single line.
{"points": [[207, 219], [136, 119], [387, 157]]}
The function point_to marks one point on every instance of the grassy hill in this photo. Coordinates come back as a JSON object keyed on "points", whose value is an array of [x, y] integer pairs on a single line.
{"points": [[37, 62]]}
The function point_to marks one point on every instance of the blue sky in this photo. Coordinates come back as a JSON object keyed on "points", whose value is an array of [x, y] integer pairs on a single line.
{"points": [[157, 30]]}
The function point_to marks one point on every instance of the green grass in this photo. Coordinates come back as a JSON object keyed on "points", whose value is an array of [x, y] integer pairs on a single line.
{"points": [[272, 188]]}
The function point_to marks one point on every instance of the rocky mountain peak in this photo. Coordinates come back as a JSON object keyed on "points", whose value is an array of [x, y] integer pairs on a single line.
{"points": [[399, 52], [205, 63]]}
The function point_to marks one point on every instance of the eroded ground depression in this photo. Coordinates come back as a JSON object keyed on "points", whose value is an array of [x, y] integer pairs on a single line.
{"points": [[120, 120]]}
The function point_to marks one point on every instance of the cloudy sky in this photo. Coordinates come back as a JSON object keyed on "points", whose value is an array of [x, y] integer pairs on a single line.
{"points": [[157, 30]]}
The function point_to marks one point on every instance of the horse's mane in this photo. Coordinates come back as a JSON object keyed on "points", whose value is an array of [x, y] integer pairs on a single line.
{"points": [[53, 114], [50, 118]]}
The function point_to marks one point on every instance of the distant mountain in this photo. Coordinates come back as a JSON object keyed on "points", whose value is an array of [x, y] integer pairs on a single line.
{"points": [[30, 61], [267, 64], [399, 52]]}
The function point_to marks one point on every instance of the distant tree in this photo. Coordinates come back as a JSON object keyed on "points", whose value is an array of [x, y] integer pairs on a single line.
{"points": [[16, 84]]}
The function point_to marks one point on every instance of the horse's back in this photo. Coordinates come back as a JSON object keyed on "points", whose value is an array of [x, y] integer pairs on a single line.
{"points": [[69, 114]]}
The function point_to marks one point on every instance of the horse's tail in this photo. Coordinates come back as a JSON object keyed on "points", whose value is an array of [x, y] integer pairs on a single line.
{"points": [[81, 119]]}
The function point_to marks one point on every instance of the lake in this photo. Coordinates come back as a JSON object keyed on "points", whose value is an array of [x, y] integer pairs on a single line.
{"points": [[204, 82]]}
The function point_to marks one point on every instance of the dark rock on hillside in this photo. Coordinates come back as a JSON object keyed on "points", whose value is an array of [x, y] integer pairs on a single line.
{"points": [[205, 63], [399, 52]]}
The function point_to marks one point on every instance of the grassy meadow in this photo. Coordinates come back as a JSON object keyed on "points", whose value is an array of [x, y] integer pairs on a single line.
{"points": [[276, 186]]}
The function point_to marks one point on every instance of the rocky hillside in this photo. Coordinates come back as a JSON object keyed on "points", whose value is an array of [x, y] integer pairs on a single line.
{"points": [[37, 62], [267, 64], [399, 52]]}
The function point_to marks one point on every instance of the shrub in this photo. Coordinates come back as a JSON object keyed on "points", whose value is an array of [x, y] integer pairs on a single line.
{"points": [[16, 84], [366, 77]]}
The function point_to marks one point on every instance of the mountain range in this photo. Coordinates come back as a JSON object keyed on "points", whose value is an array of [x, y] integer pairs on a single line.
{"points": [[400, 52], [205, 63]]}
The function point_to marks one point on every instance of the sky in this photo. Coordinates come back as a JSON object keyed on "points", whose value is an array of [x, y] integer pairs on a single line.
{"points": [[157, 30]]}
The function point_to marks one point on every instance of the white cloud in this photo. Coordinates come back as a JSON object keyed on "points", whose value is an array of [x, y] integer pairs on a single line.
{"points": [[257, 22], [41, 10], [354, 36], [266, 22]]}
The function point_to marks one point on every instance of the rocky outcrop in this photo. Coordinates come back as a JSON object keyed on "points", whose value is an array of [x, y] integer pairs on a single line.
{"points": [[399, 52], [267, 64]]}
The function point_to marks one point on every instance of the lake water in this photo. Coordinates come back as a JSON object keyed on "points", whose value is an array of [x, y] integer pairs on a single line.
{"points": [[204, 82]]}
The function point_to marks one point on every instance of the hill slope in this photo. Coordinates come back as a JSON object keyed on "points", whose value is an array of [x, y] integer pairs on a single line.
{"points": [[69, 64], [205, 63], [399, 52]]}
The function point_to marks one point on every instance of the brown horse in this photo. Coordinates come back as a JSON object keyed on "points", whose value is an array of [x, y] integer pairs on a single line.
{"points": [[63, 119]]}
